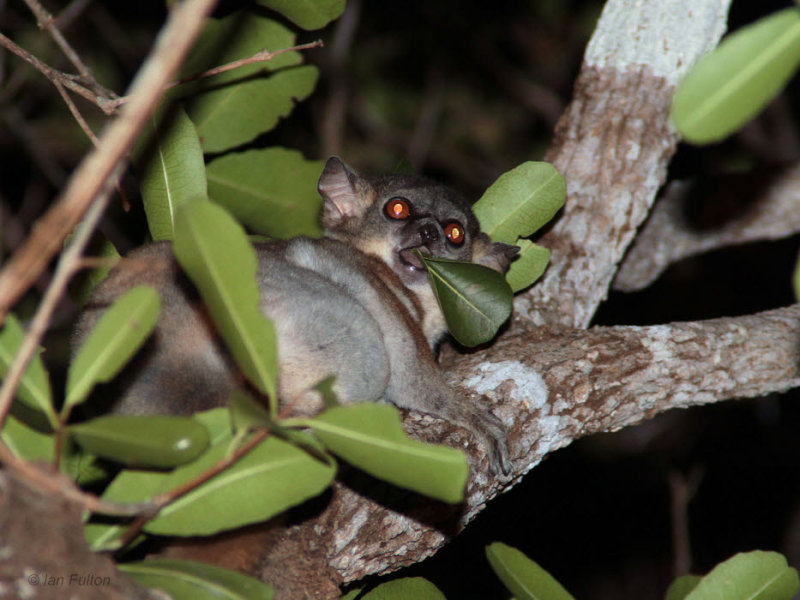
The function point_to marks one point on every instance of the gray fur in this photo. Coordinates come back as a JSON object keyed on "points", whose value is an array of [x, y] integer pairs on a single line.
{"points": [[348, 305]]}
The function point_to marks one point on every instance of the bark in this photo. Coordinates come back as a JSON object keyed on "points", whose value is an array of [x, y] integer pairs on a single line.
{"points": [[613, 145], [575, 383], [44, 555], [670, 235]]}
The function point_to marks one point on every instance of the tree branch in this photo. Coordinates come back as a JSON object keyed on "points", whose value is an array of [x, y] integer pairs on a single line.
{"points": [[668, 236], [613, 145], [575, 383]]}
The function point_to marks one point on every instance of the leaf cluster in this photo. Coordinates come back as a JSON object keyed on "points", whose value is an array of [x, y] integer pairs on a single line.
{"points": [[755, 575], [230, 467], [476, 300]]}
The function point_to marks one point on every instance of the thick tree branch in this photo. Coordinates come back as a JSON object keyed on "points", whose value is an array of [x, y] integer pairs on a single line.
{"points": [[551, 386], [45, 556], [668, 236], [613, 145]]}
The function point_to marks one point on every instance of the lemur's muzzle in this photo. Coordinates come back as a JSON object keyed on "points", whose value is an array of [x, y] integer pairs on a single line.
{"points": [[424, 239]]}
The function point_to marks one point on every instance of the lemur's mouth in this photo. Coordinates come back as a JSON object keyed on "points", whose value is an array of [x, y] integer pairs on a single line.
{"points": [[410, 259]]}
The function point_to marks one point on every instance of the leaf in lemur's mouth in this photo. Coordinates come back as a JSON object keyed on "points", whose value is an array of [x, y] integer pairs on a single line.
{"points": [[475, 299], [411, 257]]}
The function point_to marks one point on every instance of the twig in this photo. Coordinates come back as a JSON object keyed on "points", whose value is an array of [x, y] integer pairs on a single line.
{"points": [[76, 113], [89, 133], [46, 21], [163, 500], [261, 56], [66, 267], [182, 28], [71, 12], [107, 105], [57, 483]]}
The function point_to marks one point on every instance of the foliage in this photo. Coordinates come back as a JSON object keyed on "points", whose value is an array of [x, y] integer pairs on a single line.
{"points": [[191, 198], [735, 82], [475, 300], [753, 575], [202, 473], [517, 205], [187, 580], [523, 577]]}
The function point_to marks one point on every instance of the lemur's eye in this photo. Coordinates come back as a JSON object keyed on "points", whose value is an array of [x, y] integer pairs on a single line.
{"points": [[455, 233], [398, 208]]}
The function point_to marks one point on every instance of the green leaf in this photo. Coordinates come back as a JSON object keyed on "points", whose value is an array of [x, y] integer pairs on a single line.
{"points": [[731, 85], [159, 441], [405, 589], [32, 445], [246, 413], [756, 575], [237, 113], [217, 422], [34, 388], [308, 14], [118, 334], [273, 191], [27, 443], [190, 580], [233, 107], [271, 478], [796, 280], [475, 300], [681, 587], [530, 264], [521, 201], [213, 250], [171, 170], [104, 537], [352, 594], [522, 576], [371, 437]]}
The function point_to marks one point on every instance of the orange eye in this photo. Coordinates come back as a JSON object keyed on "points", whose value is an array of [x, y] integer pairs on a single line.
{"points": [[398, 208], [454, 233]]}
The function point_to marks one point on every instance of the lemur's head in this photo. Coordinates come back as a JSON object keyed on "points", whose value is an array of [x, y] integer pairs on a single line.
{"points": [[391, 215]]}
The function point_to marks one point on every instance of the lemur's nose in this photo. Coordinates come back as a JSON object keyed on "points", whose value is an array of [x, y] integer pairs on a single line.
{"points": [[429, 233]]}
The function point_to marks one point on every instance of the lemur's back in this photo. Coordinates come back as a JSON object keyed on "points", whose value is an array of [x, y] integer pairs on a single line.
{"points": [[355, 305]]}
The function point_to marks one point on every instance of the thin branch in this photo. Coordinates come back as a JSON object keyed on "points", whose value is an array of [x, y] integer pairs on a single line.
{"points": [[67, 265], [183, 26], [160, 502], [51, 482], [107, 105], [46, 21], [51, 170], [668, 237], [76, 113], [334, 114], [261, 56], [71, 12]]}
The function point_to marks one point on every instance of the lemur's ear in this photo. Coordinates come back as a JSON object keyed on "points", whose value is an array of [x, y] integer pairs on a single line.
{"points": [[495, 255], [344, 193]]}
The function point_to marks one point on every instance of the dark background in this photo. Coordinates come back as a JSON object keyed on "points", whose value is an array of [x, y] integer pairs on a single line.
{"points": [[464, 91]]}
